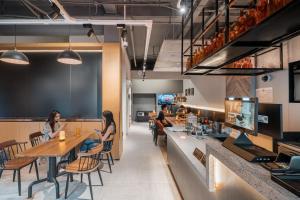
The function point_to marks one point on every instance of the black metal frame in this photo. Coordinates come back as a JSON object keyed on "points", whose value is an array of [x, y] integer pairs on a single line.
{"points": [[254, 47], [292, 82]]}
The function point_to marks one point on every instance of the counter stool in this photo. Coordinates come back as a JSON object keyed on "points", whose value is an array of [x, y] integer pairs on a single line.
{"points": [[10, 161], [86, 163]]}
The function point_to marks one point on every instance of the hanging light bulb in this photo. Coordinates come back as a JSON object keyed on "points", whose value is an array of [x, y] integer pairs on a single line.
{"points": [[69, 56], [14, 56]]}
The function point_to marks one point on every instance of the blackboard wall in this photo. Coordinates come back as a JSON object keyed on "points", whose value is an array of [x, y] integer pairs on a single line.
{"points": [[34, 90]]}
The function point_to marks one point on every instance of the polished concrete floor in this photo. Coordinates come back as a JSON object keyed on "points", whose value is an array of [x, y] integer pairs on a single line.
{"points": [[142, 173]]}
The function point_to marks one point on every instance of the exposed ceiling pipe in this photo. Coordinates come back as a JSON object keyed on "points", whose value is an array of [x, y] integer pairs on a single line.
{"points": [[178, 4], [70, 20], [30, 9], [133, 47]]}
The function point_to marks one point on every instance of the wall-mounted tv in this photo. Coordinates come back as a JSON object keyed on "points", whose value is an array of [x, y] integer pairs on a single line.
{"points": [[167, 99]]}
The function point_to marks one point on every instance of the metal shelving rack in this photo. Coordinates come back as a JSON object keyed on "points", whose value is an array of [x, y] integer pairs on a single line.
{"points": [[257, 39]]}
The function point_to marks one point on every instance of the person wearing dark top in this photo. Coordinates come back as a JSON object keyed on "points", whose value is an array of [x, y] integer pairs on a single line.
{"points": [[161, 116]]}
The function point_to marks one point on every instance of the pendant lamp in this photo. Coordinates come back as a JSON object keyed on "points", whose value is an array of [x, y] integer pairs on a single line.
{"points": [[14, 56], [69, 56]]}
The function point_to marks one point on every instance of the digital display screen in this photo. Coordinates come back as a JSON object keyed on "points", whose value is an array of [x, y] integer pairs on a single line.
{"points": [[241, 114], [167, 99]]}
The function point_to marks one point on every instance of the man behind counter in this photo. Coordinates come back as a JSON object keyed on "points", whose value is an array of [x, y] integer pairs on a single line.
{"points": [[161, 116]]}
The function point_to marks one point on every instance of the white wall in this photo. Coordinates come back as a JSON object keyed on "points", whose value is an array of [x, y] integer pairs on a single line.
{"points": [[156, 86], [143, 102], [280, 85], [209, 91]]}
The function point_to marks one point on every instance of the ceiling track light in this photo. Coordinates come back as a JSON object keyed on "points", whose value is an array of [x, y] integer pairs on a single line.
{"points": [[69, 56], [182, 9], [14, 56]]}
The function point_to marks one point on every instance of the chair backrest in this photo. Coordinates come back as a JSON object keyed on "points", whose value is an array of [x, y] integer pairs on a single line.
{"points": [[108, 143], [36, 138], [159, 127], [9, 150], [91, 160]]}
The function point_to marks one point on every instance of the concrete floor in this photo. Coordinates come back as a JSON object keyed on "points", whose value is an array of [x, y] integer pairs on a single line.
{"points": [[141, 174]]}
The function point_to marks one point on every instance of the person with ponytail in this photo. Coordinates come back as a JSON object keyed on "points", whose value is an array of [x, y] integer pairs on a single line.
{"points": [[109, 128]]}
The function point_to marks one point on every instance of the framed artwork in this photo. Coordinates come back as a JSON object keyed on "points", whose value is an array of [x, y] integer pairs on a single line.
{"points": [[192, 92]]}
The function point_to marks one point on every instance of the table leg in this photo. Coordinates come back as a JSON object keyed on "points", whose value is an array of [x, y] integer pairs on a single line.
{"points": [[51, 169], [51, 177]]}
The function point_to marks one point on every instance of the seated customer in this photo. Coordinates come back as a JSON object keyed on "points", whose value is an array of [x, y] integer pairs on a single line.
{"points": [[161, 116], [181, 111], [109, 129], [52, 126]]}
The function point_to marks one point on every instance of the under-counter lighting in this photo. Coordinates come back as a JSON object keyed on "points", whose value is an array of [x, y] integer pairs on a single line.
{"points": [[218, 183], [246, 99], [204, 107], [183, 137], [231, 98]]}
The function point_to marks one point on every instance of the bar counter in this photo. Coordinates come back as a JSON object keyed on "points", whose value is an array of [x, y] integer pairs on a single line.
{"points": [[223, 176]]}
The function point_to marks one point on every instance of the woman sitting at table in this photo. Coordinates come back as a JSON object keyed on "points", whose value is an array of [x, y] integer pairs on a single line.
{"points": [[52, 126], [109, 125]]}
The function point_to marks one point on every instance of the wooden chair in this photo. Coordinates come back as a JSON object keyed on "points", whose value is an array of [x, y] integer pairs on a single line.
{"points": [[159, 130], [107, 149], [85, 164], [35, 139], [10, 161]]}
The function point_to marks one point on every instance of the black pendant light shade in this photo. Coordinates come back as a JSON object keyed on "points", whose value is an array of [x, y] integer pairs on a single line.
{"points": [[69, 57], [14, 57]]}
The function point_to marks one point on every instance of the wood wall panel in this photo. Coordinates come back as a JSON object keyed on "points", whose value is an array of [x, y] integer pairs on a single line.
{"points": [[111, 100], [111, 90]]}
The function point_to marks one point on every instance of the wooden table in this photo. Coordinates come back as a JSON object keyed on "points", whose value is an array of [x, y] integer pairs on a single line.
{"points": [[175, 122], [52, 149]]}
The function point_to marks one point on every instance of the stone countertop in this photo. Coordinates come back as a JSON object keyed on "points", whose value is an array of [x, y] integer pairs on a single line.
{"points": [[255, 175]]}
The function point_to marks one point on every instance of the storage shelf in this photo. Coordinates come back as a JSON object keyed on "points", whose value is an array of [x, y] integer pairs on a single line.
{"points": [[278, 27], [232, 71]]}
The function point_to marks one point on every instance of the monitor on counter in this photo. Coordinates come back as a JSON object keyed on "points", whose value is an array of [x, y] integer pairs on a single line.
{"points": [[241, 114], [270, 120]]}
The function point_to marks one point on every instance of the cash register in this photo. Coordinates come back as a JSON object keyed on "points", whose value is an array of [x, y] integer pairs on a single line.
{"points": [[285, 170]]}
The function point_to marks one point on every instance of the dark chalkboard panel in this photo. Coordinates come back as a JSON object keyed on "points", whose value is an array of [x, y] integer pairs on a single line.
{"points": [[35, 90]]}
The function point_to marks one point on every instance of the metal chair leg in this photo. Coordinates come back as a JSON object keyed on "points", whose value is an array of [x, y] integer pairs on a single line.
{"points": [[90, 184], [67, 186], [1, 171], [30, 168], [14, 176], [112, 159], [107, 155], [19, 182], [36, 170], [99, 173], [81, 175]]}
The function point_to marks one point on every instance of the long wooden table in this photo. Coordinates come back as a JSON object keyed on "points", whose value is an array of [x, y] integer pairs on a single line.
{"points": [[52, 149]]}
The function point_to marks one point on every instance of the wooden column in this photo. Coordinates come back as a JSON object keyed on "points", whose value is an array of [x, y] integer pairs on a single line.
{"points": [[111, 90]]}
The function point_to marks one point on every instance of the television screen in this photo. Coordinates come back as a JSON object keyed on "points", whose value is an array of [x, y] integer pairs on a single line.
{"points": [[241, 114], [167, 99]]}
